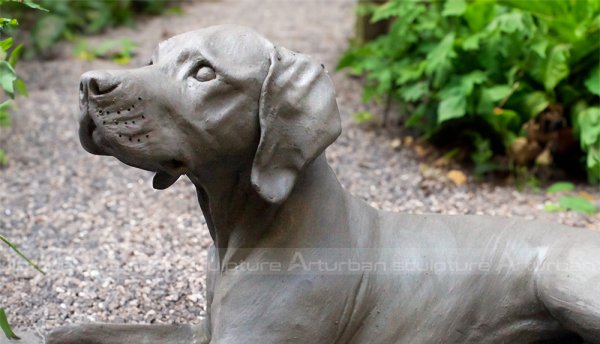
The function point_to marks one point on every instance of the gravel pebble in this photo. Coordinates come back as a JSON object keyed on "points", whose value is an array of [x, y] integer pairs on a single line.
{"points": [[115, 249]]}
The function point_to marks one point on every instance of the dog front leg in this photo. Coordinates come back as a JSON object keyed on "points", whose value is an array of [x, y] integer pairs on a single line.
{"points": [[127, 334]]}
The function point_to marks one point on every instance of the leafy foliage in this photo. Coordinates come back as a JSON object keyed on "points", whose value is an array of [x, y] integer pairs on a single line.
{"points": [[10, 83], [118, 50], [3, 158], [363, 117], [570, 200], [560, 187], [502, 64], [577, 203], [66, 19]]}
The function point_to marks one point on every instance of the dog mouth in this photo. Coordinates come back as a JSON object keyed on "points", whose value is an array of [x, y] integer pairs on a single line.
{"points": [[88, 135], [94, 141], [106, 127], [116, 124]]}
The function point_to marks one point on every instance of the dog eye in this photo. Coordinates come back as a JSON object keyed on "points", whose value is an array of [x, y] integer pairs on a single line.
{"points": [[205, 73]]}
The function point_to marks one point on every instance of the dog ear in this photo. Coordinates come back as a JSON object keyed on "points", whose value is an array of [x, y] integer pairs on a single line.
{"points": [[298, 118]]}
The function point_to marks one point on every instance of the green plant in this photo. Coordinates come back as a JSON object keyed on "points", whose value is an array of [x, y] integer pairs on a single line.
{"points": [[118, 50], [568, 200], [67, 19], [10, 83], [363, 117], [4, 324], [505, 68], [20, 254]]}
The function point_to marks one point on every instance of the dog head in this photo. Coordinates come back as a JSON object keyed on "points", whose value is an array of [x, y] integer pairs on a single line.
{"points": [[218, 95]]}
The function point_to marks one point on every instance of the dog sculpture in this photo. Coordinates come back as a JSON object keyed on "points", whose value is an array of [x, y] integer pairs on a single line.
{"points": [[248, 122]]}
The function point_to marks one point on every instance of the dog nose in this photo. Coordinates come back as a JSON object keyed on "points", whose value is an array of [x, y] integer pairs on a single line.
{"points": [[95, 84]]}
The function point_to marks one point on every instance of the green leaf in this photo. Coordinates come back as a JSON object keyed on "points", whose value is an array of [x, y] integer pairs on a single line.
{"points": [[20, 87], [5, 326], [414, 92], [560, 187], [439, 59], [410, 72], [363, 117], [534, 103], [509, 23], [472, 41], [478, 14], [497, 93], [593, 81], [8, 22], [7, 78], [18, 252], [14, 55], [589, 126], [453, 105], [482, 155], [576, 109], [540, 47], [6, 44], [468, 81], [454, 8], [4, 116], [511, 74], [122, 60], [353, 58], [387, 10], [4, 119], [586, 121], [557, 66], [175, 10], [578, 203], [490, 97], [3, 158], [553, 207], [506, 122], [118, 50], [33, 5], [593, 164], [541, 8]]}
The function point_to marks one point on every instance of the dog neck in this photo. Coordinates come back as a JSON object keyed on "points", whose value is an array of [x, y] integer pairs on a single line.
{"points": [[240, 220]]}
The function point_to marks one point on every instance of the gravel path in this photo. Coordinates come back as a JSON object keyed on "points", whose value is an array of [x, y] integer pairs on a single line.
{"points": [[116, 250]]}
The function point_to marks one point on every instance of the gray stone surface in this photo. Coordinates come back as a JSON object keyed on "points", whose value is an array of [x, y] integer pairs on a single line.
{"points": [[117, 251]]}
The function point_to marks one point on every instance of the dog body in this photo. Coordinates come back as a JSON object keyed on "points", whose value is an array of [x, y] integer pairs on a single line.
{"points": [[417, 278], [297, 259]]}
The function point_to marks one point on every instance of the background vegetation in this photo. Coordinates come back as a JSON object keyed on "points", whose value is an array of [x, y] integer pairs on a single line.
{"points": [[517, 82], [68, 19]]}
